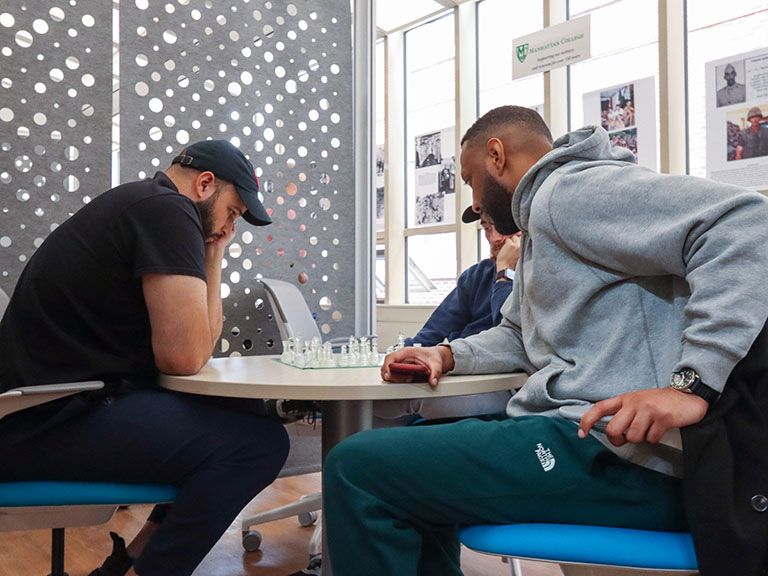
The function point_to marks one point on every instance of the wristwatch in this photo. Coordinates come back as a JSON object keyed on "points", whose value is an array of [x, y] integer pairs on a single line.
{"points": [[688, 381], [505, 274]]}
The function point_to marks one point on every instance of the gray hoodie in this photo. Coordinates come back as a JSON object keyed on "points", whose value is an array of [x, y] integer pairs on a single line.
{"points": [[625, 276]]}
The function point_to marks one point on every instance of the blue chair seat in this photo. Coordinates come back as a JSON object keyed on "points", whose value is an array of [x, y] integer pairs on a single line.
{"points": [[54, 493], [585, 544]]}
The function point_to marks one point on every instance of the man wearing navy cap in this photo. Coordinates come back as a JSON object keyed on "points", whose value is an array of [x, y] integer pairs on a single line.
{"points": [[127, 288]]}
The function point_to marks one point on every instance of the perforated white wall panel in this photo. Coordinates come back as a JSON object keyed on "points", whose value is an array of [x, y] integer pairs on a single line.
{"points": [[276, 79], [55, 117]]}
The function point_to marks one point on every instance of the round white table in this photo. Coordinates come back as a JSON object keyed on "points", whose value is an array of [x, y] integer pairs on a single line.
{"points": [[346, 394]]}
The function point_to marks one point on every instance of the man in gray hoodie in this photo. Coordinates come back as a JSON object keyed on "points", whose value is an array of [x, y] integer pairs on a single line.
{"points": [[635, 296]]}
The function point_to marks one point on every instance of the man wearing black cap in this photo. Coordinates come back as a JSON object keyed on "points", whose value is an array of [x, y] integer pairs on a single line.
{"points": [[473, 306], [127, 288]]}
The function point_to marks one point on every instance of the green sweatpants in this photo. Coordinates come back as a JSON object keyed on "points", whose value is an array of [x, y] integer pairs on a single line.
{"points": [[394, 498]]}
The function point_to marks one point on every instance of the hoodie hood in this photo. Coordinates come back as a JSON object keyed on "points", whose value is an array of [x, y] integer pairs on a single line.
{"points": [[588, 143]]}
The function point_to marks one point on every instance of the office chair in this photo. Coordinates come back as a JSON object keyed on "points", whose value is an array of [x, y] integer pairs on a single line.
{"points": [[588, 550], [35, 505], [293, 318]]}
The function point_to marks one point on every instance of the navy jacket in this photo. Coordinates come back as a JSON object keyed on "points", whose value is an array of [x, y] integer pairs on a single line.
{"points": [[473, 306]]}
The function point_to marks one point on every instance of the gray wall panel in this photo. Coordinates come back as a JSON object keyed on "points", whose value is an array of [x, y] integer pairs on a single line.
{"points": [[276, 78], [55, 119]]}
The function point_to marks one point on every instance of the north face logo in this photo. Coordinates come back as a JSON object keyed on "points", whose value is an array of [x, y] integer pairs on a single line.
{"points": [[545, 457]]}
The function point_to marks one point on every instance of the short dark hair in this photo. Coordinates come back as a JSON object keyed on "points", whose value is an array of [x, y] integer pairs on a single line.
{"points": [[506, 116]]}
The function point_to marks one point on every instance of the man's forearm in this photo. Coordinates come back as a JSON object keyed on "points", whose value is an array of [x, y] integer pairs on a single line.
{"points": [[215, 314]]}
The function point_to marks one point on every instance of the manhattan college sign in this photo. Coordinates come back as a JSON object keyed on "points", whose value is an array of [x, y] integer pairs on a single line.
{"points": [[552, 47]]}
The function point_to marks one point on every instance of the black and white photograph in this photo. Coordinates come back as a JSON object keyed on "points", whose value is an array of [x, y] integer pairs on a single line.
{"points": [[428, 151], [446, 181], [747, 133], [730, 83], [617, 108], [430, 208]]}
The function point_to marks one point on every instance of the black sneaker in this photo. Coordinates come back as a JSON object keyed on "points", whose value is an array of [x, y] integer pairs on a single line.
{"points": [[294, 410], [118, 563], [314, 568]]}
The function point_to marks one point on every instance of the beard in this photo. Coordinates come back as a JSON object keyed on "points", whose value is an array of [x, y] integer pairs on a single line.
{"points": [[205, 209], [496, 203]]}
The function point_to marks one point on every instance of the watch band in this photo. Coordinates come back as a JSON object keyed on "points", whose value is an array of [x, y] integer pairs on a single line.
{"points": [[505, 274]]}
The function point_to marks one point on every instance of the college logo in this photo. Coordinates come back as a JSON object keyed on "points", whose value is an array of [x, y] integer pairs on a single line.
{"points": [[522, 52], [545, 457]]}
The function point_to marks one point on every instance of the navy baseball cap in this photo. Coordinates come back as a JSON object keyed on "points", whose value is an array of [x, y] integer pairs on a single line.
{"points": [[227, 162], [470, 216]]}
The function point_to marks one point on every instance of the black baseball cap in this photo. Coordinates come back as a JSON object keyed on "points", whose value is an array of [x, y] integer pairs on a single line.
{"points": [[227, 162], [470, 216]]}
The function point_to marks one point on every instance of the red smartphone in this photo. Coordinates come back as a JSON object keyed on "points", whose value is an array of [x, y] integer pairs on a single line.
{"points": [[420, 373]]}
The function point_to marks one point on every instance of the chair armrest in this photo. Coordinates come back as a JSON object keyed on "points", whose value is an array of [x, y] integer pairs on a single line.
{"points": [[27, 396]]}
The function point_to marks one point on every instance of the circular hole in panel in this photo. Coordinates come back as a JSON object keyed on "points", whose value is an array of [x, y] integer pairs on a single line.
{"points": [[142, 4], [291, 214], [6, 114], [235, 331], [279, 149], [87, 110], [182, 81], [24, 38], [313, 115], [5, 241], [23, 163], [280, 72], [196, 15], [325, 204], [303, 75], [56, 14], [142, 60], [56, 75], [247, 237], [325, 303], [259, 304], [335, 142], [39, 118], [209, 85], [234, 277], [234, 89], [155, 133], [169, 121], [247, 264], [302, 151], [88, 80], [40, 88], [71, 183], [7, 20], [141, 31], [247, 345], [182, 137], [142, 89], [325, 328], [235, 250], [71, 153], [234, 36], [269, 134], [169, 36], [313, 240], [336, 315], [303, 202], [55, 197], [155, 104], [6, 178], [40, 26], [324, 103], [224, 345], [88, 21], [22, 195], [290, 86], [39, 212], [224, 290]]}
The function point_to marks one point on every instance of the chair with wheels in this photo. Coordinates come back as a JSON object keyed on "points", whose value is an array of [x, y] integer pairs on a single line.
{"points": [[588, 550], [294, 318]]}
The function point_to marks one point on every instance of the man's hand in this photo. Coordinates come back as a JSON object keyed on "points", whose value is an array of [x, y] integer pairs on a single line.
{"points": [[508, 253], [216, 245], [645, 415], [438, 359]]}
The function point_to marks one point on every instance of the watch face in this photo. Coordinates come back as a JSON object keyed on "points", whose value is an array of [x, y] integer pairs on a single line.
{"points": [[682, 380]]}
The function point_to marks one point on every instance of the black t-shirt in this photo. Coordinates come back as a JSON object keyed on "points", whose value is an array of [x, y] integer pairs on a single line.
{"points": [[78, 310]]}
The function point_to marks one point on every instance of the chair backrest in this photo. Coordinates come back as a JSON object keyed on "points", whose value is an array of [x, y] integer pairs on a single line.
{"points": [[294, 316]]}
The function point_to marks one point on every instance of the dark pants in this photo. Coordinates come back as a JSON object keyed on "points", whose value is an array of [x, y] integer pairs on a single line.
{"points": [[395, 498], [219, 457]]}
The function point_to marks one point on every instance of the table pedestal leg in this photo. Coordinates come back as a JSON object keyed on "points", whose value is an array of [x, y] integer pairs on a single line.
{"points": [[341, 418]]}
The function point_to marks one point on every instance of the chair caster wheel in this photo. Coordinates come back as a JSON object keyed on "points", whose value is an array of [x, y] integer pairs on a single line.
{"points": [[251, 540], [307, 518]]}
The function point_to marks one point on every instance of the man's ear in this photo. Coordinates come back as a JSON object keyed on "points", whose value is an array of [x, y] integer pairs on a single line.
{"points": [[496, 157], [205, 185]]}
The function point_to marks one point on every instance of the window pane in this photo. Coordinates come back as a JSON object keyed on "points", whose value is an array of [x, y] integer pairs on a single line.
{"points": [[430, 116], [499, 22], [625, 49], [431, 267], [715, 31], [381, 273], [381, 134], [483, 248]]}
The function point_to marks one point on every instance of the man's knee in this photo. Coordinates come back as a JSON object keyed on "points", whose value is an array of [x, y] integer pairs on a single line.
{"points": [[358, 460]]}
